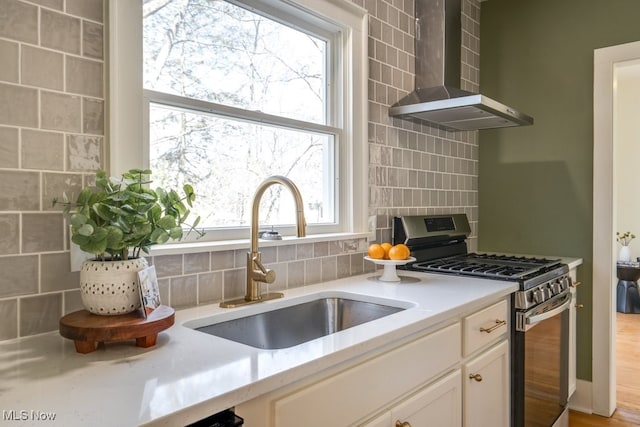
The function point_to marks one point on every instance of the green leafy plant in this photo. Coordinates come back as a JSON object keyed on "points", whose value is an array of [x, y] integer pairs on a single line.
{"points": [[120, 217], [625, 238]]}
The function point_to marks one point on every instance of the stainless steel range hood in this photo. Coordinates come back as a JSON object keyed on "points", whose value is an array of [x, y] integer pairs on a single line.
{"points": [[437, 98]]}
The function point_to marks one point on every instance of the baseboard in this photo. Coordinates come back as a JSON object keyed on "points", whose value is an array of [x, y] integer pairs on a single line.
{"points": [[582, 399]]}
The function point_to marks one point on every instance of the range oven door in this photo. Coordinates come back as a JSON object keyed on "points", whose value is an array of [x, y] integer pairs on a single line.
{"points": [[540, 364]]}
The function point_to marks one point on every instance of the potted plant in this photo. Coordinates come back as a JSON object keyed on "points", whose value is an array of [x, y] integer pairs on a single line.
{"points": [[625, 240], [115, 221]]}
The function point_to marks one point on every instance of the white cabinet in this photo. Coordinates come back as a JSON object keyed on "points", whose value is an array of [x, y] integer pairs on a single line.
{"points": [[421, 383], [438, 404], [486, 388], [485, 374], [356, 393]]}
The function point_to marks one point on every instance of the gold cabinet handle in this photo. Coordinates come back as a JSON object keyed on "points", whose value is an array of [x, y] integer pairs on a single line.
{"points": [[579, 305], [476, 377], [402, 424], [494, 327], [576, 284]]}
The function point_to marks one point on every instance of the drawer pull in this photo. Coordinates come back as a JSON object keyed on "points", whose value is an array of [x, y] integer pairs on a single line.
{"points": [[494, 327], [402, 424], [476, 377]]}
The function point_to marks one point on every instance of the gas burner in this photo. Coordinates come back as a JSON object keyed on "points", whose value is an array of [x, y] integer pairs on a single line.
{"points": [[513, 258], [504, 267]]}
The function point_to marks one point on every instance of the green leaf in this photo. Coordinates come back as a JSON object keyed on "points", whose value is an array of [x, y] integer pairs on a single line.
{"points": [[162, 195], [145, 248], [154, 214], [143, 209], [143, 196], [118, 211], [174, 196], [142, 229], [95, 246], [84, 196], [100, 234], [114, 238], [80, 240], [159, 236], [85, 230], [184, 216], [180, 207], [175, 233], [102, 211], [122, 225], [166, 222], [78, 219], [129, 209], [120, 196], [191, 195]]}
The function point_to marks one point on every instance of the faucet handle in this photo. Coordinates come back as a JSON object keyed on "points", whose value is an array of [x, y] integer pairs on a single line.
{"points": [[264, 275]]}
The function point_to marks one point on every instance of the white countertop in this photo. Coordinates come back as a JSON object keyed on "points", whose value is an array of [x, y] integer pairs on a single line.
{"points": [[189, 375]]}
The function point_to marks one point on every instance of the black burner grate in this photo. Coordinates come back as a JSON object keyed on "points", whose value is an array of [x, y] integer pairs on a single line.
{"points": [[489, 265]]}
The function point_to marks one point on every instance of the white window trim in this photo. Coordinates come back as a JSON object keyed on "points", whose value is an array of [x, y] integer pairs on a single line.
{"points": [[126, 113]]}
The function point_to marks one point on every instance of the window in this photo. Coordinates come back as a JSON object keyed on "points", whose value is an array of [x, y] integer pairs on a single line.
{"points": [[234, 92]]}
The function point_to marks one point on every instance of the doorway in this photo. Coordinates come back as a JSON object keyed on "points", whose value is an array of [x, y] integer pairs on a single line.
{"points": [[626, 148], [607, 64]]}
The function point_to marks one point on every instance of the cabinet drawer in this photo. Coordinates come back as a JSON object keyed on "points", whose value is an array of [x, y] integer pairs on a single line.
{"points": [[485, 327], [349, 396]]}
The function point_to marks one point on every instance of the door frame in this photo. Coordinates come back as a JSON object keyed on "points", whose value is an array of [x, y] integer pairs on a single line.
{"points": [[603, 324]]}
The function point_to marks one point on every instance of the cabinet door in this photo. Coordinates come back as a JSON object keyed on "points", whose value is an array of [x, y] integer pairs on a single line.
{"points": [[486, 388], [438, 404], [383, 420]]}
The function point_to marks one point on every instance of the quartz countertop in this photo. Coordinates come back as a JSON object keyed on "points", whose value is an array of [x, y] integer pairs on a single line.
{"points": [[189, 375]]}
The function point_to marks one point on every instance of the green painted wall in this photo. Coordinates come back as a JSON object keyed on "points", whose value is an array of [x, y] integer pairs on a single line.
{"points": [[535, 183]]}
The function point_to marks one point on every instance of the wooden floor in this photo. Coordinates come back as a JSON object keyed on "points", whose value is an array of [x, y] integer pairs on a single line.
{"points": [[628, 378]]}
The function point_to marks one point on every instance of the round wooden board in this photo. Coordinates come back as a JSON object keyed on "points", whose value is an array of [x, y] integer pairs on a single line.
{"points": [[87, 330]]}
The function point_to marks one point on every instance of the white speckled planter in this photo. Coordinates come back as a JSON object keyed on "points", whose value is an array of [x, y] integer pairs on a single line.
{"points": [[111, 287]]}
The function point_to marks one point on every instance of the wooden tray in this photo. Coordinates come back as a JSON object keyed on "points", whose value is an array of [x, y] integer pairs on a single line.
{"points": [[88, 330]]}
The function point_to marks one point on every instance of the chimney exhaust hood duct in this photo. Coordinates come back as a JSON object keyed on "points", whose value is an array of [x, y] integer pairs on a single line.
{"points": [[437, 98]]}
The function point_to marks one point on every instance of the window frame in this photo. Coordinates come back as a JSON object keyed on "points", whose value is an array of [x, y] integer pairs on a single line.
{"points": [[127, 105]]}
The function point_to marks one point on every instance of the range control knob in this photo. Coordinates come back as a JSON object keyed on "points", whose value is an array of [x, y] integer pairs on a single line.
{"points": [[557, 287], [548, 292], [538, 296], [565, 282]]}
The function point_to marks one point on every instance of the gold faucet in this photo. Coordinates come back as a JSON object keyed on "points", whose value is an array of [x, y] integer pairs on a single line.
{"points": [[256, 271]]}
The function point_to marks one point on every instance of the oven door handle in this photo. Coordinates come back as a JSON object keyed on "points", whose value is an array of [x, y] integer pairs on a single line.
{"points": [[537, 318]]}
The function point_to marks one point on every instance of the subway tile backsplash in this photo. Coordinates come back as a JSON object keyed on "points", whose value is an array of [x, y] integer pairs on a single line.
{"points": [[52, 139]]}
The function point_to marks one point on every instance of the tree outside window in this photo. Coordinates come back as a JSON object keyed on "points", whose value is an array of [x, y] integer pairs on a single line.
{"points": [[232, 69]]}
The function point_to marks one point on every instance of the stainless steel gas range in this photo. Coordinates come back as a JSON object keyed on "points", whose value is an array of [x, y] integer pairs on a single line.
{"points": [[539, 315]]}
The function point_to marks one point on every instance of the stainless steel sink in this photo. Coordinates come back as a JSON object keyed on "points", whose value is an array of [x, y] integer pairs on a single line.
{"points": [[295, 324]]}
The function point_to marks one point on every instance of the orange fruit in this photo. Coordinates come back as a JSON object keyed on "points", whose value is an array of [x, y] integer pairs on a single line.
{"points": [[375, 251], [386, 246], [399, 252]]}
